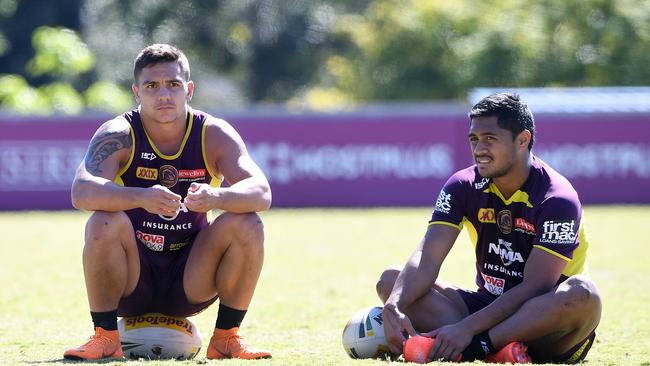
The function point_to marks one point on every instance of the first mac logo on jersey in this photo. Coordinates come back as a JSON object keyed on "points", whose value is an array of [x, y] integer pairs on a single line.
{"points": [[559, 232]]}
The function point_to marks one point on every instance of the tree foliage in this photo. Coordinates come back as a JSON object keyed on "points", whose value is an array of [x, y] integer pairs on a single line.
{"points": [[59, 52], [423, 50], [244, 51], [64, 58], [317, 53]]}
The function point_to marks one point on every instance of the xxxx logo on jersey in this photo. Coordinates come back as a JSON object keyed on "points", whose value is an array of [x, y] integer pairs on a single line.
{"points": [[487, 216], [146, 173]]}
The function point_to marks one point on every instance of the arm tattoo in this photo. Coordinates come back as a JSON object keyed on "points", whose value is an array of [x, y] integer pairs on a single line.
{"points": [[104, 145]]}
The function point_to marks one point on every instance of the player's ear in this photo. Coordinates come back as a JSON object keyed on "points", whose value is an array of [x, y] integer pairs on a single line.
{"points": [[190, 90], [523, 139], [135, 90]]}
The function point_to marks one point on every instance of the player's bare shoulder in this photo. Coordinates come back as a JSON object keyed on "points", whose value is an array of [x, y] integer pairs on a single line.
{"points": [[226, 151], [112, 140], [219, 130], [222, 138]]}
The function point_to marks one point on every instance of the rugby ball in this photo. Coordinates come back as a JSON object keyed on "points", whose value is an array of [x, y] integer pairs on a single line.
{"points": [[158, 336], [363, 335]]}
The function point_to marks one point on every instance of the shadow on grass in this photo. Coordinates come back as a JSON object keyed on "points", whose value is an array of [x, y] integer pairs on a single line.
{"points": [[64, 361]]}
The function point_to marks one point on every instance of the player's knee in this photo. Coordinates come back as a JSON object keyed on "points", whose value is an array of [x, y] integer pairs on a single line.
{"points": [[579, 293], [386, 282], [248, 229], [104, 228]]}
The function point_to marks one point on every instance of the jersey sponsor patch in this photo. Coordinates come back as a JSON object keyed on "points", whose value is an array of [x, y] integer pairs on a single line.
{"points": [[167, 226], [487, 216], [151, 241], [504, 250], [443, 203], [482, 183], [524, 226], [147, 156], [493, 285], [177, 246], [504, 221], [168, 176], [502, 269], [191, 174], [146, 173], [559, 232]]}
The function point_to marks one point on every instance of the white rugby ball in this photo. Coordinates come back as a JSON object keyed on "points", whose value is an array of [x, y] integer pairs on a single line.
{"points": [[363, 335], [159, 336]]}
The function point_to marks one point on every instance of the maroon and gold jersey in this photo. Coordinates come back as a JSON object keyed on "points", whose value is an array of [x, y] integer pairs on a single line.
{"points": [[147, 167], [545, 213]]}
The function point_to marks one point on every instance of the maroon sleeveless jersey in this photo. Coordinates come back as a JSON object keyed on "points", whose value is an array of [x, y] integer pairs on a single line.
{"points": [[148, 167]]}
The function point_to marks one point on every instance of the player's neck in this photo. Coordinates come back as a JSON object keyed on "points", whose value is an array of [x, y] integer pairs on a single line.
{"points": [[167, 136], [510, 183]]}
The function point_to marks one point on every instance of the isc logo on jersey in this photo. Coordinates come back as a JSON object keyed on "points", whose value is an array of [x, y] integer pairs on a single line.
{"points": [[482, 183], [494, 285], [148, 156], [559, 232], [153, 242], [443, 203]]}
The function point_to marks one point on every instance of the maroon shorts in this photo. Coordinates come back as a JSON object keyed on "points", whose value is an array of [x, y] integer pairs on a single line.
{"points": [[573, 356], [160, 286], [477, 300]]}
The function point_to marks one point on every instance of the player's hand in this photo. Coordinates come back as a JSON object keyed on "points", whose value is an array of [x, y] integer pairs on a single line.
{"points": [[201, 197], [161, 201], [451, 340], [396, 324]]}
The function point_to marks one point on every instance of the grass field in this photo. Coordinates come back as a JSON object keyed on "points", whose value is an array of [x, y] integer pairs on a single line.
{"points": [[321, 267]]}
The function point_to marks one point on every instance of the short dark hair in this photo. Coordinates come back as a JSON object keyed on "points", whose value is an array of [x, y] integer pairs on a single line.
{"points": [[512, 113], [160, 52]]}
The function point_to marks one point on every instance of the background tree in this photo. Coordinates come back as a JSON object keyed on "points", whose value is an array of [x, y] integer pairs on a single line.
{"points": [[317, 53], [245, 52], [424, 50], [45, 65]]}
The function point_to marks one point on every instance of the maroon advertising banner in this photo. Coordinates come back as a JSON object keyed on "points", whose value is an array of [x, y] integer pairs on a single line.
{"points": [[351, 159]]}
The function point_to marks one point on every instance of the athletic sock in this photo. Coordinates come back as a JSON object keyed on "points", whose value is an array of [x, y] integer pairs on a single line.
{"points": [[105, 319], [480, 346], [228, 317]]}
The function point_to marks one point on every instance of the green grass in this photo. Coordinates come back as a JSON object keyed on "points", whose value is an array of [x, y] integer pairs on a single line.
{"points": [[321, 267]]}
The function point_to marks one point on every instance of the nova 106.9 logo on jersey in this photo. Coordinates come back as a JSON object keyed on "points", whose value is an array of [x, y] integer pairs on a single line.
{"points": [[493, 285]]}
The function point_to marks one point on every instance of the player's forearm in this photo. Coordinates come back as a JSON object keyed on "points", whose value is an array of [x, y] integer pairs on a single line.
{"points": [[99, 194], [248, 195], [416, 279], [503, 307]]}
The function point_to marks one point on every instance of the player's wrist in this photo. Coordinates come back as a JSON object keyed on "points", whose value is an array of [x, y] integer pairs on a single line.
{"points": [[470, 326], [394, 308], [216, 195], [137, 196]]}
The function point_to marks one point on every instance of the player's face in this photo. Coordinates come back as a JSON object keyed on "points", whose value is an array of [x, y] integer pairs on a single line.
{"points": [[163, 92], [494, 149]]}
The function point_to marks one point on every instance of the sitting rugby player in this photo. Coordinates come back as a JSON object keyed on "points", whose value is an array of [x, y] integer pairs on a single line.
{"points": [[533, 301]]}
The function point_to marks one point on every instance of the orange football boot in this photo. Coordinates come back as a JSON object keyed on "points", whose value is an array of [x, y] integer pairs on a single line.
{"points": [[513, 352], [103, 344], [226, 343]]}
